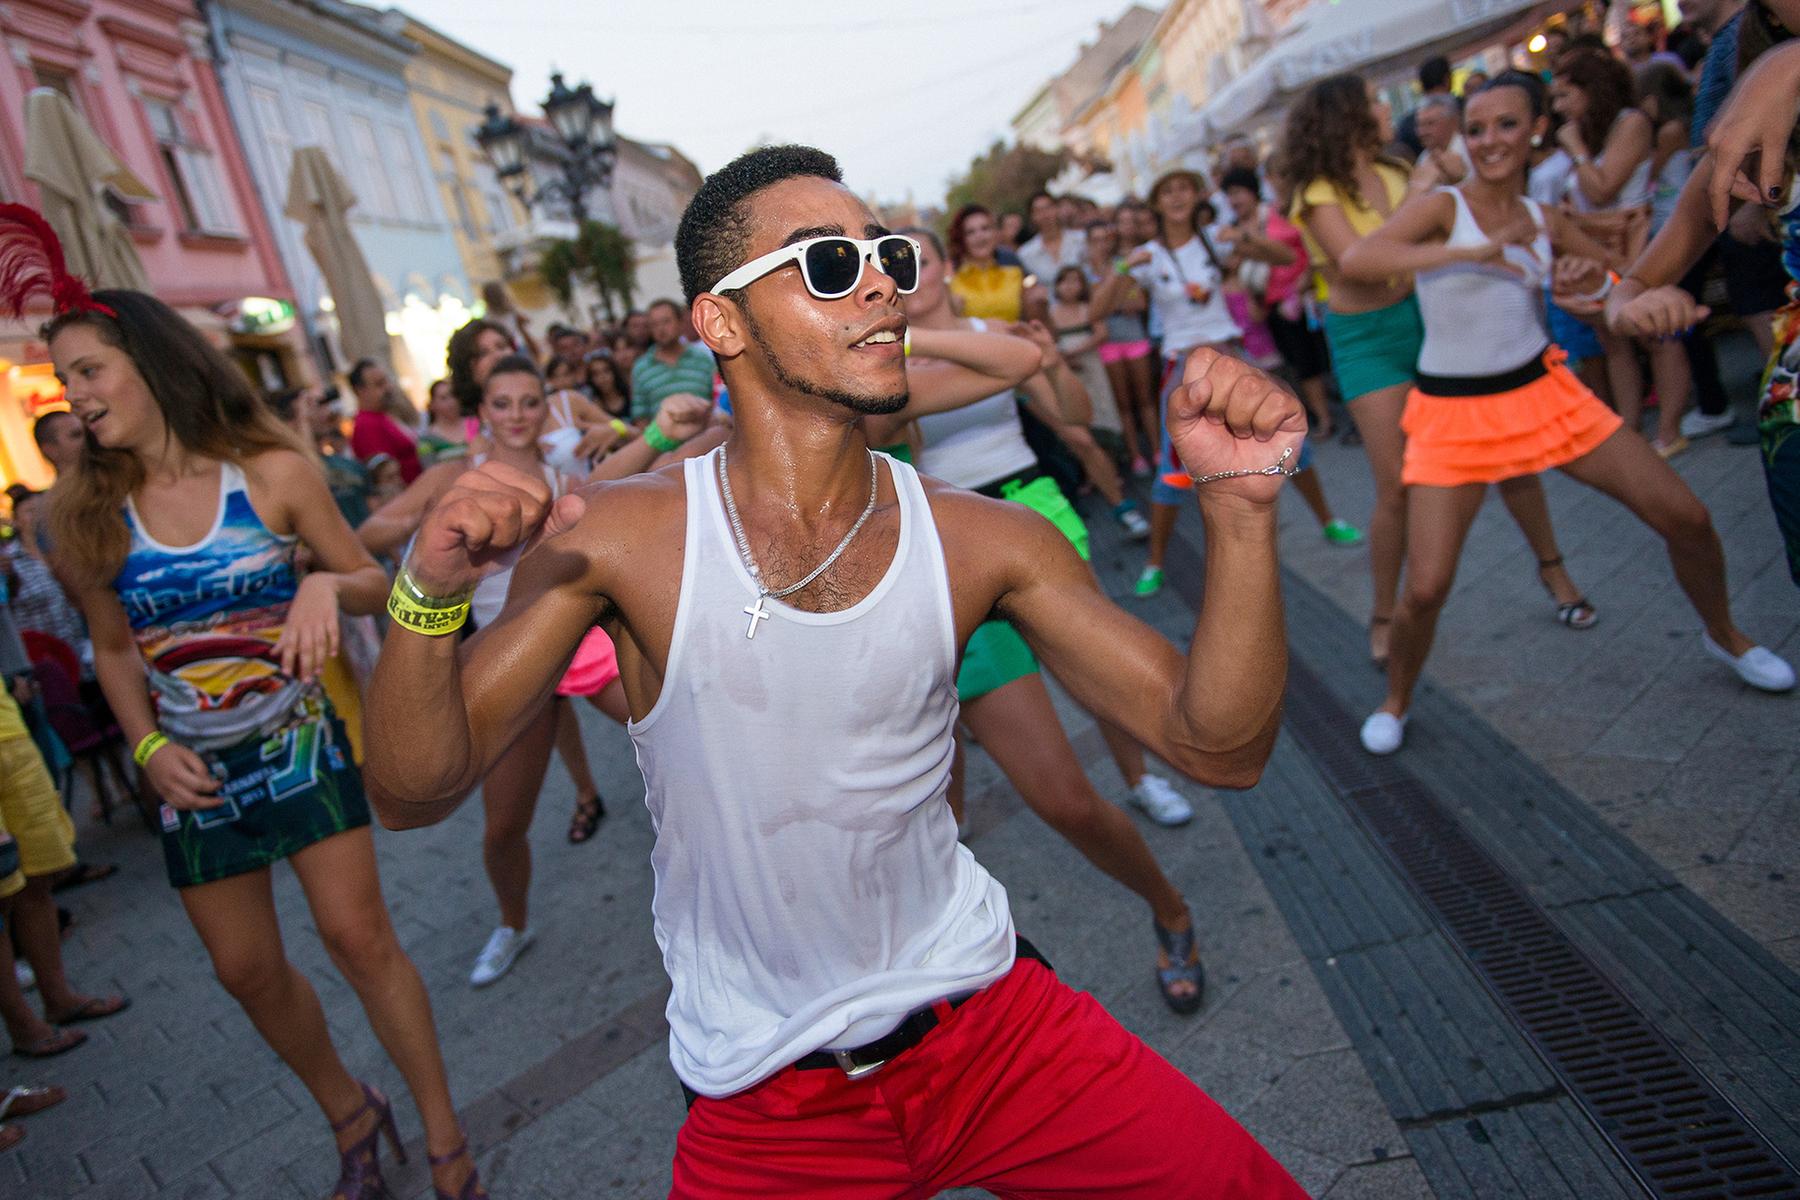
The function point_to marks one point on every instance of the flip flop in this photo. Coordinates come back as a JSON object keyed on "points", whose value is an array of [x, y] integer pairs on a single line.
{"points": [[94, 1008], [60, 1042], [23, 1101], [1181, 949], [586, 818], [85, 873], [10, 1136]]}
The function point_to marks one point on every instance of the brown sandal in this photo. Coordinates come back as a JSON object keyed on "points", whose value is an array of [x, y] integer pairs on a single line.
{"points": [[23, 1101], [586, 818]]}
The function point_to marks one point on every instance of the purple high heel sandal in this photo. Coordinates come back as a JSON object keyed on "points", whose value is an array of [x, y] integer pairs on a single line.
{"points": [[471, 1188], [359, 1172]]}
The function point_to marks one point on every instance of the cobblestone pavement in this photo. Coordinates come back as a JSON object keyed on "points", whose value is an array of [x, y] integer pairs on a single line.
{"points": [[561, 1069]]}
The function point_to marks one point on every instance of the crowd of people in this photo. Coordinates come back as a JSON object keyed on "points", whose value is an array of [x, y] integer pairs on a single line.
{"points": [[812, 529]]}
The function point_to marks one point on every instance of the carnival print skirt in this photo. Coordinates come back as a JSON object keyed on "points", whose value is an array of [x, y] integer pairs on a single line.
{"points": [[281, 794]]}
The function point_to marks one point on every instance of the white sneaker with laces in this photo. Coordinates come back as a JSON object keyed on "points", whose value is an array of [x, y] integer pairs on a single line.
{"points": [[497, 957], [1159, 799], [1758, 666], [1696, 424], [1383, 732], [24, 974]]}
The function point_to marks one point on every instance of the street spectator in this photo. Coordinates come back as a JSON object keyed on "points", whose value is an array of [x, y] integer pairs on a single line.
{"points": [[448, 434], [1052, 247], [375, 431], [567, 342], [384, 480], [1434, 80], [609, 385], [1125, 354], [312, 414], [1443, 159], [625, 354], [989, 280], [563, 373], [672, 367], [59, 438], [1012, 229], [637, 330], [503, 312]]}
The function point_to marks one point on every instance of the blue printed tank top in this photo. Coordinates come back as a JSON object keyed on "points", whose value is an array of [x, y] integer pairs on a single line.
{"points": [[206, 618]]}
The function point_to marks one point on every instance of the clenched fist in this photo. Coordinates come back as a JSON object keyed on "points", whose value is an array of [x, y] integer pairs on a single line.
{"points": [[1228, 416], [487, 512]]}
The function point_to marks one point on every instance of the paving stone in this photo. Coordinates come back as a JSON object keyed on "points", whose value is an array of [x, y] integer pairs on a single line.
{"points": [[1388, 1179]]}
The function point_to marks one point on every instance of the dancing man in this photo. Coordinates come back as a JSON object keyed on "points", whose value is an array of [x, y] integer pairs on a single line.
{"points": [[788, 636]]}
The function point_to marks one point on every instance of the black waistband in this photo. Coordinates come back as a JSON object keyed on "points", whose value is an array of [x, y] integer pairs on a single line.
{"points": [[904, 1036], [997, 488], [1484, 385]]}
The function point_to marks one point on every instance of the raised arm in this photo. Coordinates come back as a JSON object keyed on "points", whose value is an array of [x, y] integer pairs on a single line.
{"points": [[482, 692], [1751, 134], [1411, 240], [952, 368], [1601, 177], [386, 529], [1212, 714]]}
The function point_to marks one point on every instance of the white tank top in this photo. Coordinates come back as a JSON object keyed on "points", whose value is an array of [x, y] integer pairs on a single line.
{"points": [[1505, 310], [810, 890], [490, 593], [978, 444]]}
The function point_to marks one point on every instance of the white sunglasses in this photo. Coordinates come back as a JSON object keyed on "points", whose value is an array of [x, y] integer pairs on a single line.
{"points": [[832, 266]]}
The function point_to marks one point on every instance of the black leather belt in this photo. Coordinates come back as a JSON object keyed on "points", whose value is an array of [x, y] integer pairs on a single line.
{"points": [[1458, 386], [866, 1059]]}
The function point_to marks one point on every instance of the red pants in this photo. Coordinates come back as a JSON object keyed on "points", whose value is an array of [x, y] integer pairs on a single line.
{"points": [[1028, 1089]]}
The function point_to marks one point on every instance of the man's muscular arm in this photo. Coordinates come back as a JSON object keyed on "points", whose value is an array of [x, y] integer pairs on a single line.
{"points": [[441, 710], [1212, 714]]}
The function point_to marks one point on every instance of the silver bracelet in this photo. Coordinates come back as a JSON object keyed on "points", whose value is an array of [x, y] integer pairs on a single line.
{"points": [[1274, 468]]}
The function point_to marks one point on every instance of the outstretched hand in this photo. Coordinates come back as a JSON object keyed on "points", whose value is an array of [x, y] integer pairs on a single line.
{"points": [[486, 513], [1228, 416], [1661, 312]]}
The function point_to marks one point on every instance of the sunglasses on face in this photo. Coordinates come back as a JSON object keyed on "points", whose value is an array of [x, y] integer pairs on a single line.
{"points": [[832, 266]]}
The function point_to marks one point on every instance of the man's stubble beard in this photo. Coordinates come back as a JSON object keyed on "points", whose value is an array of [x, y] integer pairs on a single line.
{"points": [[868, 406]]}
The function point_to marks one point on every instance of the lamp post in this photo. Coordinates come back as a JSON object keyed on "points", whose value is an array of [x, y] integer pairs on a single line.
{"points": [[582, 123]]}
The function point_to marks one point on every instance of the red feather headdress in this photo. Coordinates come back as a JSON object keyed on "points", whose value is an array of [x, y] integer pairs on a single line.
{"points": [[31, 261]]}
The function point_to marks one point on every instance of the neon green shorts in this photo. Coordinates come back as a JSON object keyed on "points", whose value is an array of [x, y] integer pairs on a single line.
{"points": [[996, 654]]}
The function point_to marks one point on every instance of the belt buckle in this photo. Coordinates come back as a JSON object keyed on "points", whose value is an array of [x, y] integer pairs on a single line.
{"points": [[853, 1069]]}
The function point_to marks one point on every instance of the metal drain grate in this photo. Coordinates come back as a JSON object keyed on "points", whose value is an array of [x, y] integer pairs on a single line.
{"points": [[1662, 1116]]}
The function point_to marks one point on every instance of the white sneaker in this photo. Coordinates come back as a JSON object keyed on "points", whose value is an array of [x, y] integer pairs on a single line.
{"points": [[1696, 424], [24, 974], [1161, 801], [1136, 528], [497, 957], [1758, 666], [1383, 732]]}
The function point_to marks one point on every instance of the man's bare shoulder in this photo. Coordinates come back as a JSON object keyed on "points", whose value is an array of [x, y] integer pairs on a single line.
{"points": [[633, 513], [994, 532]]}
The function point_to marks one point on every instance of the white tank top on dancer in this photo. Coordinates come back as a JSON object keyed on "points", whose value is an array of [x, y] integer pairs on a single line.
{"points": [[1507, 310], [810, 890], [977, 444]]}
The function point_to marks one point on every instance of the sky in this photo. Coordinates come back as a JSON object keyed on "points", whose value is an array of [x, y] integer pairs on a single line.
{"points": [[904, 94]]}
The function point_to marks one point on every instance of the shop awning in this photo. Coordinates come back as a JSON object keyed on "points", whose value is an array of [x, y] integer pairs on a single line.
{"points": [[1369, 36]]}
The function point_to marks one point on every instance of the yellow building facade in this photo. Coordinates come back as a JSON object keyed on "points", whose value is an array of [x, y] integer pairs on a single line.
{"points": [[450, 86]]}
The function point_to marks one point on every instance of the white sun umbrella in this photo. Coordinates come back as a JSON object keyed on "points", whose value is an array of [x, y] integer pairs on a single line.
{"points": [[320, 200], [74, 170]]}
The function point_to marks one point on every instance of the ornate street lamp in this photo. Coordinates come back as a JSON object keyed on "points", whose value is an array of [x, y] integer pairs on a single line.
{"points": [[586, 145]]}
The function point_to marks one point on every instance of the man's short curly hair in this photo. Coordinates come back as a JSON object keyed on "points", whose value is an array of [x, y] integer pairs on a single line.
{"points": [[710, 242]]}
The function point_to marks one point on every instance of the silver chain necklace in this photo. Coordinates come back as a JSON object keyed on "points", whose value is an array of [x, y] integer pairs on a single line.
{"points": [[763, 592]]}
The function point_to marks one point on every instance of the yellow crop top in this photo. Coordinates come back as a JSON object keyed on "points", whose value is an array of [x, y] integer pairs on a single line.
{"points": [[1364, 217], [994, 293]]}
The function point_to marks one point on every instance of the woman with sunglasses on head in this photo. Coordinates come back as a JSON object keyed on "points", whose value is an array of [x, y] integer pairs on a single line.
{"points": [[1344, 190], [515, 410], [179, 531], [1506, 406], [1005, 706]]}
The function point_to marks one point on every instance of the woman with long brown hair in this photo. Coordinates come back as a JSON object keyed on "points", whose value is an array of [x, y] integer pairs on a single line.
{"points": [[988, 282], [1344, 189], [179, 532]]}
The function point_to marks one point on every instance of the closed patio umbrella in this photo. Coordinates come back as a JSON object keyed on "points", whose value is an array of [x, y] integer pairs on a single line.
{"points": [[73, 168], [320, 200]]}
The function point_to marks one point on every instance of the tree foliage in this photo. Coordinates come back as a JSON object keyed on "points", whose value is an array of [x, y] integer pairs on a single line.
{"points": [[598, 255], [1004, 178]]}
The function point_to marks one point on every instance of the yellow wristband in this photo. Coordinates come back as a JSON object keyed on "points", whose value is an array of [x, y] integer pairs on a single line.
{"points": [[408, 613], [621, 428], [149, 744]]}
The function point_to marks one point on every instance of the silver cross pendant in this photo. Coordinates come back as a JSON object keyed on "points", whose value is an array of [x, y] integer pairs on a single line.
{"points": [[755, 613]]}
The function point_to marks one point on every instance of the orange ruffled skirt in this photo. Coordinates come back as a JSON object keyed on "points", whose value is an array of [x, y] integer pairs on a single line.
{"points": [[1456, 440], [596, 664]]}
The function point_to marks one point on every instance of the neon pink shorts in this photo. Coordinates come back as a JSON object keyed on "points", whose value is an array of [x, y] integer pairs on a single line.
{"points": [[1117, 352], [596, 664]]}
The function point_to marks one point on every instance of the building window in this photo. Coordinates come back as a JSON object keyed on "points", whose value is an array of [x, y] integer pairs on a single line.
{"points": [[192, 169], [403, 164], [377, 184]]}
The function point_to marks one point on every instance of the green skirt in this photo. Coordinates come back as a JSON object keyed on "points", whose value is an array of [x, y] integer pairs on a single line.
{"points": [[996, 654], [281, 794]]}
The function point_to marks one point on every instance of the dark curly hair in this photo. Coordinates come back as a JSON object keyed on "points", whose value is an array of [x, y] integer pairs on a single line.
{"points": [[711, 239], [461, 359], [1325, 129], [1606, 82]]}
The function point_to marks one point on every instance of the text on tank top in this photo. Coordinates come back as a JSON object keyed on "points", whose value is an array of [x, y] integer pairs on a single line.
{"points": [[1507, 310], [977, 444], [810, 890], [206, 618]]}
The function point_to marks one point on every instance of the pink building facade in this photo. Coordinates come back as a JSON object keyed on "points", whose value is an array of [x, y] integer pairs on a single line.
{"points": [[141, 73]]}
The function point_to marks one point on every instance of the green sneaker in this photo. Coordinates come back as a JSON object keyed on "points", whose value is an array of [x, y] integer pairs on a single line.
{"points": [[1342, 533], [1150, 582]]}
